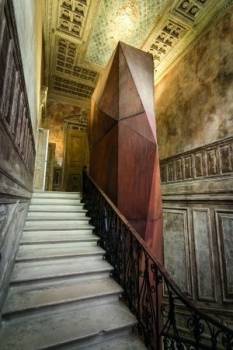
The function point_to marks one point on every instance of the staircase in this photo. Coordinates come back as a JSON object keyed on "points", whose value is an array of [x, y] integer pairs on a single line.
{"points": [[61, 295]]}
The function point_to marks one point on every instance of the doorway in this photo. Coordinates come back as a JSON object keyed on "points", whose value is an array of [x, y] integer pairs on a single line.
{"points": [[75, 156]]}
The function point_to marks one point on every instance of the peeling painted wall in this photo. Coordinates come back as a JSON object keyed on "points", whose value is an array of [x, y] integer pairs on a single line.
{"points": [[194, 101], [56, 113]]}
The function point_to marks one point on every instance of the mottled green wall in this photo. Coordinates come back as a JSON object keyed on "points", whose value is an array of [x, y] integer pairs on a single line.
{"points": [[194, 101]]}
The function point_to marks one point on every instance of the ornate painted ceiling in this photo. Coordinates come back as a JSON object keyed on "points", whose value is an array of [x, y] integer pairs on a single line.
{"points": [[80, 36]]}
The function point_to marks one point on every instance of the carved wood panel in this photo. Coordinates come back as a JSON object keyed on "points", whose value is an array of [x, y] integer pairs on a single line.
{"points": [[212, 160], [16, 141]]}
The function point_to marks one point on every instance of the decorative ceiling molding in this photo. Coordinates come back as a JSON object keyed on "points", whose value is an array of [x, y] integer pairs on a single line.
{"points": [[80, 36], [66, 28], [182, 25], [71, 17]]}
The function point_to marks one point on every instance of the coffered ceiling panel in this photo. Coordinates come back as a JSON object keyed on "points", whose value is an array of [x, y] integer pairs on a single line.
{"points": [[72, 16], [80, 36]]}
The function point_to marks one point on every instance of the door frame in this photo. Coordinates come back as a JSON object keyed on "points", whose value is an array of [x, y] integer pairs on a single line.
{"points": [[72, 120]]}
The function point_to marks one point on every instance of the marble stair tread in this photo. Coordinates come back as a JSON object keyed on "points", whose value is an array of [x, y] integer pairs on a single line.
{"points": [[57, 328], [47, 194], [30, 237], [124, 342], [56, 208], [57, 224], [21, 299], [56, 250], [48, 269], [87, 229], [55, 201], [56, 216]]}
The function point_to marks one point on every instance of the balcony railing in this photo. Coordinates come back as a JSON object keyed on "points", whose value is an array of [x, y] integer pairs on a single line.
{"points": [[166, 318]]}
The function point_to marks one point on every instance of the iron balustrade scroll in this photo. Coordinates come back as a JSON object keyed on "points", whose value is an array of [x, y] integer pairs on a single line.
{"points": [[166, 318]]}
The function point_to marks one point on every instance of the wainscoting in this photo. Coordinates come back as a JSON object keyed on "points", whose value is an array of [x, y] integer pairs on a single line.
{"points": [[198, 224], [17, 147]]}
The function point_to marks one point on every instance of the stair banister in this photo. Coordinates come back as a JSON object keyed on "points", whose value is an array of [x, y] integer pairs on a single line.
{"points": [[167, 318]]}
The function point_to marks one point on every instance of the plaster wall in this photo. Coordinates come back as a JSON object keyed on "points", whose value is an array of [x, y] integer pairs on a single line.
{"points": [[194, 101], [28, 16]]}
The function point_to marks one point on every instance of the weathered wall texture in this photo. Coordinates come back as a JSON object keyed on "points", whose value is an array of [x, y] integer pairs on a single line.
{"points": [[29, 27], [194, 101], [56, 113], [195, 133], [12, 217]]}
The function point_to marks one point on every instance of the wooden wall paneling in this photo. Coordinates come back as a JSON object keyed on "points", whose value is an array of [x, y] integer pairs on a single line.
{"points": [[209, 161], [13, 93], [13, 216], [224, 222], [177, 247], [17, 146], [210, 229], [203, 247]]}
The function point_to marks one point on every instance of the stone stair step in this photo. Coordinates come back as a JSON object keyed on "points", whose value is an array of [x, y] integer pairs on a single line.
{"points": [[56, 208], [22, 299], [65, 326], [56, 216], [31, 237], [25, 272], [56, 201], [57, 250], [61, 294], [123, 341], [57, 225], [54, 194], [87, 229]]}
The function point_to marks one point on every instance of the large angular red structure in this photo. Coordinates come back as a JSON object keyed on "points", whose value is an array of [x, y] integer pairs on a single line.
{"points": [[124, 157]]}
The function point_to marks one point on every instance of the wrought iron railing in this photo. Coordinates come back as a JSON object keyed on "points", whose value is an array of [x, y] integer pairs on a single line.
{"points": [[166, 318]]}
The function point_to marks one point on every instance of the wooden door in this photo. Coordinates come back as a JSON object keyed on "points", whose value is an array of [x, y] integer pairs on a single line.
{"points": [[50, 167], [76, 157]]}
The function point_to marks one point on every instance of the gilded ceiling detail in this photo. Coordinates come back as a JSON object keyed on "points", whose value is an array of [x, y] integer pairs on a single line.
{"points": [[82, 34]]}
